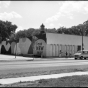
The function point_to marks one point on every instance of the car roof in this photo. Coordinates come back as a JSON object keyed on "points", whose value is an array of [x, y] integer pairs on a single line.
{"points": [[84, 50]]}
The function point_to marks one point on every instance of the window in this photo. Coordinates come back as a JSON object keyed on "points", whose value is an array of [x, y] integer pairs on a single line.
{"points": [[85, 52], [78, 48]]}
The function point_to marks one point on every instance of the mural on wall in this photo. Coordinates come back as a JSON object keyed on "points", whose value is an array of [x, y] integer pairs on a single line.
{"points": [[27, 45], [5, 47], [33, 39], [24, 45], [13, 44], [0, 48], [17, 49], [39, 47], [11, 47]]}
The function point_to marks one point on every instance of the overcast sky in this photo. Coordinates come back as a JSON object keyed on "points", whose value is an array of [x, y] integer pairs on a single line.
{"points": [[54, 14]]}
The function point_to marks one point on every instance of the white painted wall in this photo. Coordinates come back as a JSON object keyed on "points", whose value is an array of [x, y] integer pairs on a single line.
{"points": [[12, 47], [56, 49], [53, 50], [63, 39], [24, 44], [48, 50], [17, 50]]}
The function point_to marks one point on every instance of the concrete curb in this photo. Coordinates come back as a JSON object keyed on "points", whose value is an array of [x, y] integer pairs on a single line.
{"points": [[34, 78]]}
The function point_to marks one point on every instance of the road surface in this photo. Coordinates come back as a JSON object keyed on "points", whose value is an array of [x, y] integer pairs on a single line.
{"points": [[42, 65]]}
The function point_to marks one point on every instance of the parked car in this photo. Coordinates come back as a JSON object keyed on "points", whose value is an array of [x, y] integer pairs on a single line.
{"points": [[81, 54]]}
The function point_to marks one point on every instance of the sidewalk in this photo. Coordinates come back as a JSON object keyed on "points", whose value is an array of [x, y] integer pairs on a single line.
{"points": [[11, 58], [34, 78]]}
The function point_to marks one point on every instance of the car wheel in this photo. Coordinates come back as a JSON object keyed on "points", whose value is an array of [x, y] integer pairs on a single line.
{"points": [[85, 58], [75, 58], [81, 57]]}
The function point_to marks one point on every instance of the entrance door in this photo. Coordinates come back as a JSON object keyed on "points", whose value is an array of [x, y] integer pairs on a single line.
{"points": [[78, 48]]}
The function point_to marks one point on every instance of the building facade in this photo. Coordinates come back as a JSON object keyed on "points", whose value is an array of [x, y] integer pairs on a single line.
{"points": [[45, 44]]}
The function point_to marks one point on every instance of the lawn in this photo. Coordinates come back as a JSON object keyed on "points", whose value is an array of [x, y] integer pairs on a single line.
{"points": [[73, 81]]}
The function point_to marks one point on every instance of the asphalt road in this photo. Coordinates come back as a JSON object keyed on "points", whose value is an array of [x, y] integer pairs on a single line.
{"points": [[41, 65]]}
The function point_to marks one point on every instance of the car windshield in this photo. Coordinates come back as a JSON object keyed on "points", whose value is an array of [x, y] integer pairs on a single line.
{"points": [[85, 52], [79, 52]]}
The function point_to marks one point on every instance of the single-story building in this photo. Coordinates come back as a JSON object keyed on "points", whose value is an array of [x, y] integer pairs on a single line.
{"points": [[45, 44]]}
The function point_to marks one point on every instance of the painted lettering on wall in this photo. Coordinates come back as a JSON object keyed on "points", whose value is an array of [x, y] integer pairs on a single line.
{"points": [[39, 47]]}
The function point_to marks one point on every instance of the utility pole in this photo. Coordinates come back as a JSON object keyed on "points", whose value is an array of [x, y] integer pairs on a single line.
{"points": [[16, 42], [83, 32], [16, 45], [82, 40], [16, 49]]}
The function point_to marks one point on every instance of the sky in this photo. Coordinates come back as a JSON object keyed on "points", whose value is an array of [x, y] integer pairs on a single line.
{"points": [[53, 14]]}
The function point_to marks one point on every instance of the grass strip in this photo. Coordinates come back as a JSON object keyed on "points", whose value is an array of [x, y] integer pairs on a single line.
{"points": [[73, 81]]}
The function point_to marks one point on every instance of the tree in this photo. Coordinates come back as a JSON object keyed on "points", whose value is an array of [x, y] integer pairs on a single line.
{"points": [[74, 30], [85, 25], [6, 29], [20, 34], [53, 30], [62, 30], [36, 32], [25, 33], [30, 32]]}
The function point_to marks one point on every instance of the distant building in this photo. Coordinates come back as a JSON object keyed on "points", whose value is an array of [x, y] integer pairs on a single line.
{"points": [[45, 44]]}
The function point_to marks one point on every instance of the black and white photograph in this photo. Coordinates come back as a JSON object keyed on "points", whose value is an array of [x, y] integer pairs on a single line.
{"points": [[44, 43]]}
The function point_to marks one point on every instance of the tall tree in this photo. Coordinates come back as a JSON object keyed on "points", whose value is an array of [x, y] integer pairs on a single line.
{"points": [[85, 25], [53, 30], [6, 29]]}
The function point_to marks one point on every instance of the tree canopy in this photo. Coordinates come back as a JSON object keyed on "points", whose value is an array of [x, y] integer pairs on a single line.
{"points": [[74, 30], [6, 29]]}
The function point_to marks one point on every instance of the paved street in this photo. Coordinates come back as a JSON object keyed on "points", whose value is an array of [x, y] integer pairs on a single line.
{"points": [[40, 65]]}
